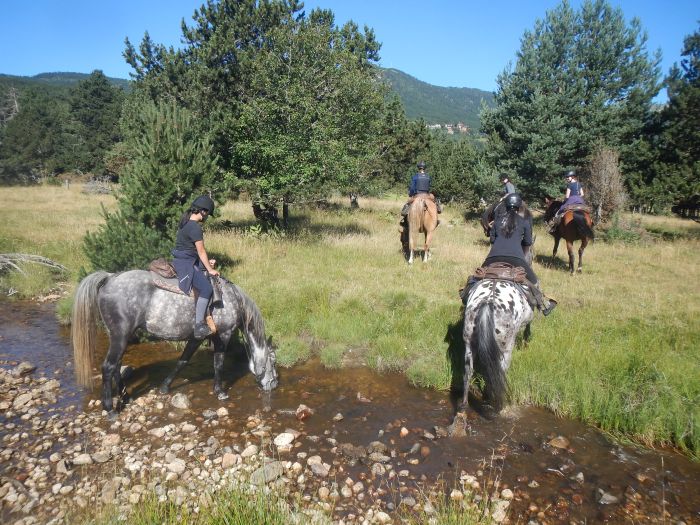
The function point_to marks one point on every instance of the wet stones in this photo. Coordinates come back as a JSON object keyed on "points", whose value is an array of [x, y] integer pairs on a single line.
{"points": [[180, 401]]}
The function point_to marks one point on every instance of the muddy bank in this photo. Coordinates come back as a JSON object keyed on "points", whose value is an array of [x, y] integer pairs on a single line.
{"points": [[350, 445]]}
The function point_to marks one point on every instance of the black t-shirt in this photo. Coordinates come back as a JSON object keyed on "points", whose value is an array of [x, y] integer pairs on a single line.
{"points": [[510, 246], [188, 235]]}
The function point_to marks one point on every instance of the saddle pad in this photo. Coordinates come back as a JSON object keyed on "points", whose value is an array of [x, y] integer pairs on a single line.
{"points": [[170, 285], [503, 271], [577, 207], [162, 267]]}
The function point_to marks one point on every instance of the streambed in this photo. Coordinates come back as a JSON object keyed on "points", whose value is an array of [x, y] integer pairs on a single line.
{"points": [[545, 469]]}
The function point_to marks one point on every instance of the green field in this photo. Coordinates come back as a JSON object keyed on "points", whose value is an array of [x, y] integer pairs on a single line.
{"points": [[620, 351]]}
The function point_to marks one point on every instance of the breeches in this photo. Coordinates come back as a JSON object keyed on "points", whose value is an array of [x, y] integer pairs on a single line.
{"points": [[201, 283]]}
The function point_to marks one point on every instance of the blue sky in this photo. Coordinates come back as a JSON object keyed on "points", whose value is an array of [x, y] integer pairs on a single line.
{"points": [[462, 43]]}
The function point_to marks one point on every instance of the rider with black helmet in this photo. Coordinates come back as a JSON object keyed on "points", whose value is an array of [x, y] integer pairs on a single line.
{"points": [[511, 238], [508, 186], [420, 183], [191, 261]]}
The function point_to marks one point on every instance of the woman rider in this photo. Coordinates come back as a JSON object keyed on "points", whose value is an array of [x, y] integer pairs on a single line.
{"points": [[511, 238], [574, 191], [191, 261]]}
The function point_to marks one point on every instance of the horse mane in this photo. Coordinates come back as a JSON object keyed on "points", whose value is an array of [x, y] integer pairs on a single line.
{"points": [[552, 207], [252, 321]]}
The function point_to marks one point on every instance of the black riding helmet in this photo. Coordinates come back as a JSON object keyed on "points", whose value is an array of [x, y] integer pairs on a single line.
{"points": [[204, 202], [421, 165], [513, 201], [570, 173], [503, 176]]}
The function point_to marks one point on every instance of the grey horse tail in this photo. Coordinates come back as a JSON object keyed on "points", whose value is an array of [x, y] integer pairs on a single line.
{"points": [[488, 356], [84, 325]]}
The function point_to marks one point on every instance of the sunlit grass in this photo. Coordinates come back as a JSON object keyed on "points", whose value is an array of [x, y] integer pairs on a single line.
{"points": [[620, 351]]}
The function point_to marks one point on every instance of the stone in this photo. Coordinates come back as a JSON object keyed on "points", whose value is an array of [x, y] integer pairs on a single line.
{"points": [[338, 417], [22, 369], [606, 498], [303, 412], [267, 473], [21, 400], [382, 517], [559, 442], [100, 457], [228, 461], [283, 439], [82, 459], [109, 490], [222, 412], [249, 451], [404, 432], [111, 440], [320, 469], [499, 510], [507, 494], [176, 466], [181, 401]]}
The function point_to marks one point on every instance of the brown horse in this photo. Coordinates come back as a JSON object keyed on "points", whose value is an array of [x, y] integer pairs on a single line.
{"points": [[422, 218], [575, 225]]}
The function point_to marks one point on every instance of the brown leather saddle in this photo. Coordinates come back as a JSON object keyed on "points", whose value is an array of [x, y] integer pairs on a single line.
{"points": [[163, 276]]}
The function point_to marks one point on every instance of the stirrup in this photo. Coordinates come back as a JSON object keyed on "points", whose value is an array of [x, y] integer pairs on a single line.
{"points": [[549, 308]]}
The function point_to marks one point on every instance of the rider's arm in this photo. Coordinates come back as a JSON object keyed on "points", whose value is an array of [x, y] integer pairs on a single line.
{"points": [[204, 258]]}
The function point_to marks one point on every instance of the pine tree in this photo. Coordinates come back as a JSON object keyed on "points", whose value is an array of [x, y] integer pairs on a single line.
{"points": [[581, 79], [171, 162], [95, 108]]}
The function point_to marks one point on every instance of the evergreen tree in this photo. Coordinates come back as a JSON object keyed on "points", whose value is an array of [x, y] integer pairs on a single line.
{"points": [[292, 101], [33, 141], [95, 108], [170, 163], [581, 79]]}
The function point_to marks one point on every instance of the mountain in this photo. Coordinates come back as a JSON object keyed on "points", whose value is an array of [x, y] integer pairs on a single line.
{"points": [[60, 80], [435, 104]]}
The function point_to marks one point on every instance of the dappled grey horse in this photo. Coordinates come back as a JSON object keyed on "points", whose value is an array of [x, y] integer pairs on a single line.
{"points": [[128, 301], [495, 312]]}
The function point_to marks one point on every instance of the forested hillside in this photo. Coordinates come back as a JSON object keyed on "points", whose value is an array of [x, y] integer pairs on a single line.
{"points": [[435, 104]]}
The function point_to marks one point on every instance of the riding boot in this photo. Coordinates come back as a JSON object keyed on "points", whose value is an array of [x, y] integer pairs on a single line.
{"points": [[201, 328], [543, 303]]}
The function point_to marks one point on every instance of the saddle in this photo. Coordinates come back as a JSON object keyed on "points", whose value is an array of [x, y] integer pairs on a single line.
{"points": [[501, 271], [163, 276]]}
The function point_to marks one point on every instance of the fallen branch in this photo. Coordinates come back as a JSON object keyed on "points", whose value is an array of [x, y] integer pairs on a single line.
{"points": [[12, 261]]}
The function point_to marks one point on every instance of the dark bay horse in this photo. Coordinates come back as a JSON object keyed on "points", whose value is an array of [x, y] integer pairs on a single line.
{"points": [[496, 311], [575, 225], [128, 301], [422, 218]]}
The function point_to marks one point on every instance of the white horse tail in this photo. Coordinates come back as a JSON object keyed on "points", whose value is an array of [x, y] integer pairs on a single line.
{"points": [[488, 356], [84, 325]]}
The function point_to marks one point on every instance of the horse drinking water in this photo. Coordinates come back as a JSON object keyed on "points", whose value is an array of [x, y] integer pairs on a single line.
{"points": [[495, 312], [130, 300]]}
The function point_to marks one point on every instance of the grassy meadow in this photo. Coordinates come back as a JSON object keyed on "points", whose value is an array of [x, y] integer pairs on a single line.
{"points": [[621, 351]]}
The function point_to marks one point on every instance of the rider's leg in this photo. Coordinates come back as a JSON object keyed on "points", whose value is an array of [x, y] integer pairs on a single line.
{"points": [[203, 286]]}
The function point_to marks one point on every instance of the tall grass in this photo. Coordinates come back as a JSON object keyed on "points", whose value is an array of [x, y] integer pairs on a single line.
{"points": [[620, 351]]}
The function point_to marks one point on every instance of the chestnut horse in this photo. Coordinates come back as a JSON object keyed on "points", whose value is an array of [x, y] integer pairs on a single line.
{"points": [[575, 225], [422, 218]]}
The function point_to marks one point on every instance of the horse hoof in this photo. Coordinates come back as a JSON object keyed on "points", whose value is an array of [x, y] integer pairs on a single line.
{"points": [[222, 396], [164, 389], [458, 428]]}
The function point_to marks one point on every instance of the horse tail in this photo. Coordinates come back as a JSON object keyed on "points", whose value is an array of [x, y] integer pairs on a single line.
{"points": [[488, 356], [582, 227], [415, 219], [84, 325]]}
